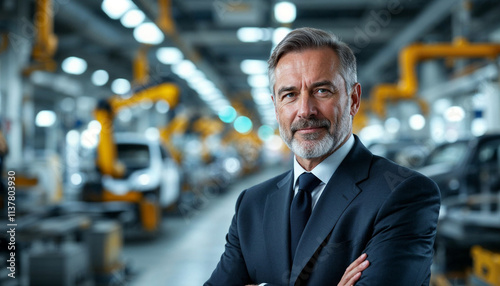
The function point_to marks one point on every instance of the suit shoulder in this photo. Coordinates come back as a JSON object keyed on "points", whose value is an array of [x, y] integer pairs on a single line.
{"points": [[394, 174], [268, 184]]}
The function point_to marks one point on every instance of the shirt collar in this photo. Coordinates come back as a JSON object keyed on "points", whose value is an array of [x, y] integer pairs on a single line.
{"points": [[325, 170]]}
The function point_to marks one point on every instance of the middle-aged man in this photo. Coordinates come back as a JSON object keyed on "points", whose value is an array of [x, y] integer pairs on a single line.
{"points": [[306, 229]]}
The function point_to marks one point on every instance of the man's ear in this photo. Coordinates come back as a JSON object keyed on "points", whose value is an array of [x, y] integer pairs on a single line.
{"points": [[355, 98]]}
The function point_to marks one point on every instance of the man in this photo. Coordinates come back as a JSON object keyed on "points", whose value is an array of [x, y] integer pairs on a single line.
{"points": [[361, 203]]}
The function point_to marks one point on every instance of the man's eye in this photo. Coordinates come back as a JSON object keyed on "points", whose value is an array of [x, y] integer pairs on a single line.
{"points": [[322, 90], [288, 95]]}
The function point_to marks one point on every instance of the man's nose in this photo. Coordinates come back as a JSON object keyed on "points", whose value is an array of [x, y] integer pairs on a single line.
{"points": [[307, 106]]}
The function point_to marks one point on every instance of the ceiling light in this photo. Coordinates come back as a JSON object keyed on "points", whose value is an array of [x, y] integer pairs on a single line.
{"points": [[116, 8], [228, 114], [132, 18], [74, 65], [253, 66], [279, 34], [250, 34], [184, 69], [100, 77], [261, 96], [285, 12], [454, 114], [265, 132], [120, 86], [258, 80], [152, 133], [148, 33], [169, 55], [45, 118], [417, 121], [479, 126], [243, 124], [210, 96]]}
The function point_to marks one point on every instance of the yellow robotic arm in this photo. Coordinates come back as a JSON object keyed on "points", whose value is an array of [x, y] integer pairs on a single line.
{"points": [[106, 111]]}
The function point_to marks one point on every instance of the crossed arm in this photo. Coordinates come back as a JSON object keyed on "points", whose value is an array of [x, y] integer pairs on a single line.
{"points": [[353, 272]]}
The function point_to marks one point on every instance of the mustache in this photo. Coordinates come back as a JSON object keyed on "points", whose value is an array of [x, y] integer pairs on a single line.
{"points": [[309, 123]]}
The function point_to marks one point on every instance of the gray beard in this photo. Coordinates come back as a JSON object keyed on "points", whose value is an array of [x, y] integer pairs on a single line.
{"points": [[312, 147]]}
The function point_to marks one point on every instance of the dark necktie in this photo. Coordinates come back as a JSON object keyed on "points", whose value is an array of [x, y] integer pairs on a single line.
{"points": [[300, 210]]}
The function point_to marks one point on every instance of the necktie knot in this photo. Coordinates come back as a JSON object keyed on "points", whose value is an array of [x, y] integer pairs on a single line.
{"points": [[308, 182]]}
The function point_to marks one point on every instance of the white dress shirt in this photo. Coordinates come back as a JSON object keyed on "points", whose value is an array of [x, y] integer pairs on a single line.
{"points": [[324, 171]]}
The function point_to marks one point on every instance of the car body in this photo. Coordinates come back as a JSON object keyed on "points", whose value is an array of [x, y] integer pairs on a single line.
{"points": [[148, 168], [465, 167]]}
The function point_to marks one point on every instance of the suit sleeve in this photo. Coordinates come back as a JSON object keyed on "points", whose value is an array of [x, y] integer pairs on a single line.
{"points": [[231, 269], [401, 248]]}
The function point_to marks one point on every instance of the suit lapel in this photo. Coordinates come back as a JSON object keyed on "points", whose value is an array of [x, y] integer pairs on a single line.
{"points": [[337, 196], [277, 226]]}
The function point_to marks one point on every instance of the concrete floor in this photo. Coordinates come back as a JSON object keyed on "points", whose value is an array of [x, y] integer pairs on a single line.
{"points": [[189, 247]]}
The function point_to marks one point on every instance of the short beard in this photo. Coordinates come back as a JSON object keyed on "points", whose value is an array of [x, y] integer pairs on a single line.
{"points": [[313, 147]]}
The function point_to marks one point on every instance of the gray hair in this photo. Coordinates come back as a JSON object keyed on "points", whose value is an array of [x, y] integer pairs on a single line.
{"points": [[310, 38]]}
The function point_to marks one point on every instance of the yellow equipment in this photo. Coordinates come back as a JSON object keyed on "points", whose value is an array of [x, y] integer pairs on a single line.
{"points": [[106, 160], [45, 44], [411, 55], [486, 265]]}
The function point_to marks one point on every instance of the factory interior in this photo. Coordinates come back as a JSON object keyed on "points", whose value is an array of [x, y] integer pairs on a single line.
{"points": [[130, 127]]}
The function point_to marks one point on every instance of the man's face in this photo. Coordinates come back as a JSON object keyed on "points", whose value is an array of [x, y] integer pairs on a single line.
{"points": [[312, 106]]}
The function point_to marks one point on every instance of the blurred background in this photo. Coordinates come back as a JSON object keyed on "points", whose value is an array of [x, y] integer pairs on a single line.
{"points": [[129, 127]]}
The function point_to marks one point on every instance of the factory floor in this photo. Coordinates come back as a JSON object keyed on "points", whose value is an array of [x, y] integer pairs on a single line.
{"points": [[190, 245]]}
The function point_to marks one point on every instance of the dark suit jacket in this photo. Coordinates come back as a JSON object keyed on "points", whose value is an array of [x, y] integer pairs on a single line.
{"points": [[369, 205]]}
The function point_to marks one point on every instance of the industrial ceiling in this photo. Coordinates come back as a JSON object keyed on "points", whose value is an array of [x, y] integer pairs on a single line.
{"points": [[206, 31]]}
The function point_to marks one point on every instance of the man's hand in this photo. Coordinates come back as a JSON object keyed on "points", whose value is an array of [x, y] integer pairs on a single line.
{"points": [[353, 272]]}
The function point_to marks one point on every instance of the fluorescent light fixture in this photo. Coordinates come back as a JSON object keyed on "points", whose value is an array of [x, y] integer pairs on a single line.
{"points": [[205, 86], [120, 86], [132, 18], [73, 138], [196, 78], [210, 96], [285, 12], [265, 132], [74, 65], [279, 34], [227, 114], [261, 96], [253, 66], [479, 126], [45, 118], [148, 33], [100, 77], [94, 126], [219, 105], [169, 55], [184, 69], [89, 139], [417, 121], [76, 179], [116, 8], [250, 34], [152, 133], [243, 124], [454, 114], [258, 80]]}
